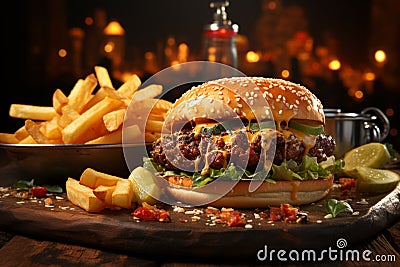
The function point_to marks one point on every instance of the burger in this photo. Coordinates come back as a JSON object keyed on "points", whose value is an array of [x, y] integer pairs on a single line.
{"points": [[245, 142]]}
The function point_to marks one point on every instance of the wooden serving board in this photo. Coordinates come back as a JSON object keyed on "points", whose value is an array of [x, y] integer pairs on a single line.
{"points": [[182, 237]]}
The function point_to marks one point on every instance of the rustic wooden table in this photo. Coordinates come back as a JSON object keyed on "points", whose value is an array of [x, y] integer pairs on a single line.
{"points": [[19, 249]]}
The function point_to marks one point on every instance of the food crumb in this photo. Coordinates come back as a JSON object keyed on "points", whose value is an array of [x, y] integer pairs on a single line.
{"points": [[356, 213], [179, 209], [319, 221], [195, 218], [328, 216], [248, 226], [363, 201], [48, 202]]}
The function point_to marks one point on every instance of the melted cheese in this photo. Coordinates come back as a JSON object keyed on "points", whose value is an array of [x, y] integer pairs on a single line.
{"points": [[308, 140]]}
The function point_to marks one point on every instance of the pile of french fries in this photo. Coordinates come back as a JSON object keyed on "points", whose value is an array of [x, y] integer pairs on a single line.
{"points": [[96, 191], [92, 113]]}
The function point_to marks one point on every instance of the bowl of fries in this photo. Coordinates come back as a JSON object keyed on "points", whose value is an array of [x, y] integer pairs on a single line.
{"points": [[86, 128]]}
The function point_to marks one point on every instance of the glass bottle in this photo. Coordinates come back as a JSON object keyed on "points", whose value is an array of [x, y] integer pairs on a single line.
{"points": [[219, 37]]}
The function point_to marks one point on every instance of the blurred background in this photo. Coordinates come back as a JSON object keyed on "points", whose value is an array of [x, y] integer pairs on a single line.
{"points": [[346, 52]]}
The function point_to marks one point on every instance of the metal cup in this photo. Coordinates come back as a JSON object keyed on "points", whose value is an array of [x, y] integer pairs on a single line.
{"points": [[351, 130]]}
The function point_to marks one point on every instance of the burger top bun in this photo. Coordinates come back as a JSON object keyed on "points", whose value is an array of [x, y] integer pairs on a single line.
{"points": [[252, 98]]}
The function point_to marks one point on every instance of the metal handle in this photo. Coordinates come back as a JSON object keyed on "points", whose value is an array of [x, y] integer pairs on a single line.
{"points": [[383, 118]]}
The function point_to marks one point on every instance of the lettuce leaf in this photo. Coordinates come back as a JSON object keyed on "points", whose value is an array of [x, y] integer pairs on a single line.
{"points": [[308, 169]]}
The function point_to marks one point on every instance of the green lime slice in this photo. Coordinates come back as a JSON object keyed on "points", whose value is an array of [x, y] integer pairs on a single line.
{"points": [[144, 186], [370, 180], [372, 155], [306, 128]]}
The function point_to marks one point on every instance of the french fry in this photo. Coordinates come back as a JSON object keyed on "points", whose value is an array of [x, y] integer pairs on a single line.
{"points": [[7, 138], [68, 115], [154, 126], [111, 138], [83, 196], [28, 140], [123, 194], [162, 104], [150, 137], [34, 130], [102, 93], [157, 117], [75, 131], [103, 76], [92, 178], [149, 92], [104, 193], [59, 100], [82, 92], [114, 119], [31, 112], [128, 88], [51, 129], [132, 134], [21, 133]]}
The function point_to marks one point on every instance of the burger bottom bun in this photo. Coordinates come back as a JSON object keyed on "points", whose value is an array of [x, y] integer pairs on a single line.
{"points": [[268, 194]]}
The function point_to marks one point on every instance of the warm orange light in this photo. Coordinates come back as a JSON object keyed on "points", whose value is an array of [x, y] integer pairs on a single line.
{"points": [[285, 73], [62, 52], [252, 57], [89, 21], [389, 112], [272, 5], [334, 64], [149, 55], [393, 132], [380, 56], [114, 28], [369, 76], [109, 47], [359, 94], [171, 41]]}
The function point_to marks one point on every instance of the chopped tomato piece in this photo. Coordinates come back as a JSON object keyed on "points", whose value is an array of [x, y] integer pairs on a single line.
{"points": [[151, 213], [232, 218], [285, 213], [347, 183], [38, 191]]}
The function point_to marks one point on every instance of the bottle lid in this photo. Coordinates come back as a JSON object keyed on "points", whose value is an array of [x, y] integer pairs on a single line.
{"points": [[221, 25]]}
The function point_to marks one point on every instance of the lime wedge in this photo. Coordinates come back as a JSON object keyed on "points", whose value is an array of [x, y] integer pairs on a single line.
{"points": [[370, 180], [144, 186], [372, 155]]}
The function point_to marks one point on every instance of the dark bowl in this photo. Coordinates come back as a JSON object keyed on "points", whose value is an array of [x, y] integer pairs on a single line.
{"points": [[55, 163]]}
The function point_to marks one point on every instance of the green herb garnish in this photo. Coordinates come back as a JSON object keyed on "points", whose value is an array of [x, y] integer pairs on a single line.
{"points": [[334, 207]]}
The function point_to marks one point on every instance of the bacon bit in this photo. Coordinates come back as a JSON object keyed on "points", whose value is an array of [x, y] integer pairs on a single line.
{"points": [[151, 213], [285, 213]]}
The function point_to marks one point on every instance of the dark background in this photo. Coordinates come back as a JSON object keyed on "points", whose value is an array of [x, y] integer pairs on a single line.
{"points": [[31, 28]]}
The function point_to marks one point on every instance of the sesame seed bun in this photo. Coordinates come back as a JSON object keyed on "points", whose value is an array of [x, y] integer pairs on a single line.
{"points": [[268, 194], [251, 98]]}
